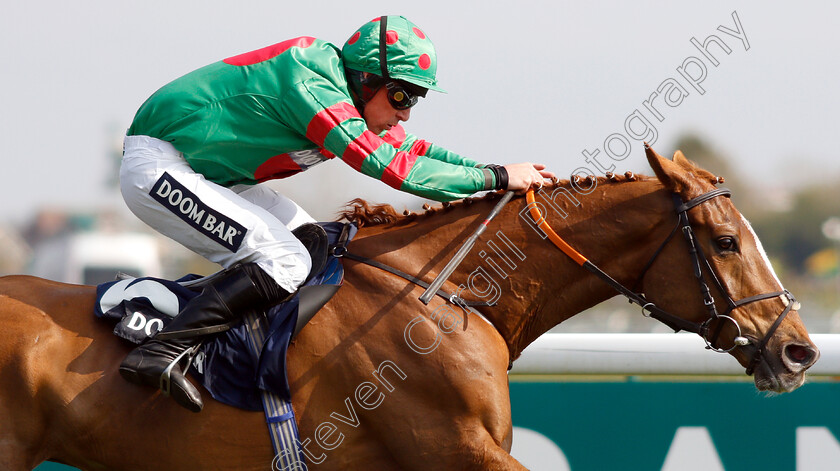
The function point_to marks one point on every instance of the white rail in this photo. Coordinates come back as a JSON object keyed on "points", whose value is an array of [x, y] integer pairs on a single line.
{"points": [[646, 354]]}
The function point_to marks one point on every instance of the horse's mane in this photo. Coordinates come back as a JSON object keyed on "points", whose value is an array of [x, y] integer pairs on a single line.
{"points": [[364, 214]]}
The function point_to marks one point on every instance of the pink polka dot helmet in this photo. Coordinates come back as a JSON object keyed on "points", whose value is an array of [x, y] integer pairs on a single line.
{"points": [[393, 47]]}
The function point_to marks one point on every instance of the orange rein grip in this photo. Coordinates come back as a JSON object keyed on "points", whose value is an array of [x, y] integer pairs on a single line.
{"points": [[555, 239]]}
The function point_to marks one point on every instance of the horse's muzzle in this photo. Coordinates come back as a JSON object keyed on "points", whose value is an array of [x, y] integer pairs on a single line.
{"points": [[783, 369]]}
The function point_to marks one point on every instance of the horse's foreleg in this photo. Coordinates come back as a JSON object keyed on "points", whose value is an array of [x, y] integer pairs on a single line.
{"points": [[497, 458], [466, 453], [22, 426], [14, 457], [481, 453]]}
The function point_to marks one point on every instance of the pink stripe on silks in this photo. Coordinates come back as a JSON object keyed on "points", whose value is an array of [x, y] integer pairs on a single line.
{"points": [[395, 136], [358, 150], [420, 147], [270, 52], [396, 171], [327, 119], [279, 166]]}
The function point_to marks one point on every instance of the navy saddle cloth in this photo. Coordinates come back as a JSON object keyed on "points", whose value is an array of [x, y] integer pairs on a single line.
{"points": [[225, 364]]}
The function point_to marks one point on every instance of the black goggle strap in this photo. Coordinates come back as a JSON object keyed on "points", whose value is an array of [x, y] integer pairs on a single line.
{"points": [[383, 51], [409, 96]]}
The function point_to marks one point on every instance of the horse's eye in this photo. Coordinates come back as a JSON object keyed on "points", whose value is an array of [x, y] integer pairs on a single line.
{"points": [[727, 243]]}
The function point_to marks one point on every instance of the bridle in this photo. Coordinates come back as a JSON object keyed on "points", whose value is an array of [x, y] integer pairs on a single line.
{"points": [[700, 263]]}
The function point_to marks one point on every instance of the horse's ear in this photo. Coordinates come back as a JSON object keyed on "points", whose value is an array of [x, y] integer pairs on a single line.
{"points": [[667, 171], [680, 159], [695, 170], [680, 175]]}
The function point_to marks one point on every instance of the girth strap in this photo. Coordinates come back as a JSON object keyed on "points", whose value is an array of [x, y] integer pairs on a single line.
{"points": [[417, 281]]}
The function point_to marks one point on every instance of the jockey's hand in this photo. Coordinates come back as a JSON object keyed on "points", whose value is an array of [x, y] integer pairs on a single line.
{"points": [[526, 175]]}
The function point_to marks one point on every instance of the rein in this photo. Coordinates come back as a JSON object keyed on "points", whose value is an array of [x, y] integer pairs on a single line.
{"points": [[700, 261]]}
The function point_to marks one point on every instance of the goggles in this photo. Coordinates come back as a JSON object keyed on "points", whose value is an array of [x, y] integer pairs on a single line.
{"points": [[400, 97]]}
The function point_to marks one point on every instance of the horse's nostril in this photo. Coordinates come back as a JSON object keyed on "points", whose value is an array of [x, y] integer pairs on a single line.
{"points": [[800, 354]]}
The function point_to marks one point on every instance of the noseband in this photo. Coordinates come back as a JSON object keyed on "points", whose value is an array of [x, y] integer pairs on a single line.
{"points": [[699, 262]]}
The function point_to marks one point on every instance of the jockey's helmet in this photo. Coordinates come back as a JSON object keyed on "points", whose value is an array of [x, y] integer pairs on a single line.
{"points": [[393, 48]]}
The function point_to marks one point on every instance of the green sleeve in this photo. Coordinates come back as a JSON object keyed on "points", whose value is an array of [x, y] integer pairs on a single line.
{"points": [[325, 115]]}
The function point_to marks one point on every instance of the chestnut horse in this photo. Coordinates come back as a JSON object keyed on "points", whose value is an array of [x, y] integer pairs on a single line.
{"points": [[380, 380]]}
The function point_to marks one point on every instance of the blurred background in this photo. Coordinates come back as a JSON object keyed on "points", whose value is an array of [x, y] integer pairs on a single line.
{"points": [[539, 81]]}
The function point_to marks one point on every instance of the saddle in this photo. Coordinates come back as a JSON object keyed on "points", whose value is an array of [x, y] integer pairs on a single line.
{"points": [[312, 296], [225, 364]]}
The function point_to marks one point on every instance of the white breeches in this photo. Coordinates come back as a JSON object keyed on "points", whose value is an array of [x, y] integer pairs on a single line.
{"points": [[243, 223]]}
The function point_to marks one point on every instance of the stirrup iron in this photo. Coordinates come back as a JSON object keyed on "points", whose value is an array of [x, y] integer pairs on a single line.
{"points": [[165, 381]]}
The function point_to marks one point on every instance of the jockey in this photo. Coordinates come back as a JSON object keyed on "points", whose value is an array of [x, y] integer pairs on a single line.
{"points": [[198, 147]]}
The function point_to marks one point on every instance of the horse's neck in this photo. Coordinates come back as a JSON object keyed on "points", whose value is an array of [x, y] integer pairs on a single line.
{"points": [[615, 227], [618, 228]]}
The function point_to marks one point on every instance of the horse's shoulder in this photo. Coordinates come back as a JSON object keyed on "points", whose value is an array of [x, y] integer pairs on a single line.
{"points": [[44, 295], [13, 282]]}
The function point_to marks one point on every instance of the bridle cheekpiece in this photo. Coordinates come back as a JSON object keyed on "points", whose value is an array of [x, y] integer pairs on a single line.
{"points": [[700, 263]]}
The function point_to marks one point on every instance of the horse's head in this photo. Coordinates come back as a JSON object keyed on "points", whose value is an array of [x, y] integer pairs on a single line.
{"points": [[738, 302]]}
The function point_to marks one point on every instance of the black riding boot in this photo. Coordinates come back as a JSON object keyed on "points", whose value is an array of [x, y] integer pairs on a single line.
{"points": [[243, 288]]}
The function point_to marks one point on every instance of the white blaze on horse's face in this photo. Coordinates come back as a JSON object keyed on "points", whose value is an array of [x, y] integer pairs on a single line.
{"points": [[743, 297], [761, 251], [789, 352], [766, 259]]}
